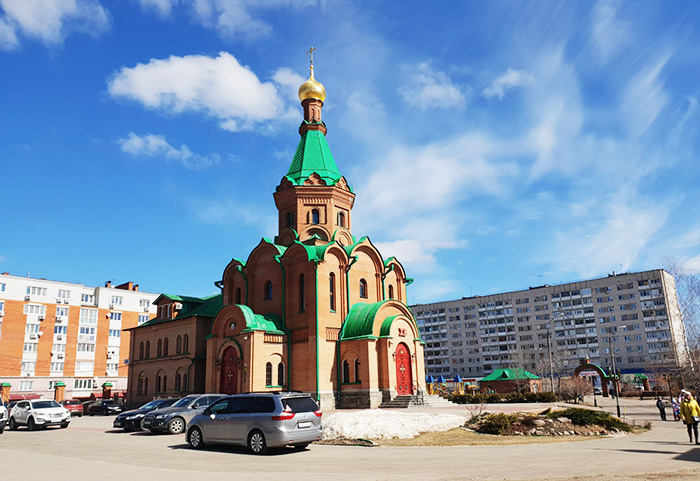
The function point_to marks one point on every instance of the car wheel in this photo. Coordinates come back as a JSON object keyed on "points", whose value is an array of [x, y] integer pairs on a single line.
{"points": [[31, 425], [176, 425], [141, 426], [194, 438], [256, 443], [64, 425], [13, 424], [301, 447], [91, 412]]}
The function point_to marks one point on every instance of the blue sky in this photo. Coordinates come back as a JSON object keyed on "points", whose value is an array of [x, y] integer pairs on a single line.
{"points": [[492, 145]]}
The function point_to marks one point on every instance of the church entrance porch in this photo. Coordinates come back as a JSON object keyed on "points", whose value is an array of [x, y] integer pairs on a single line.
{"points": [[230, 368], [404, 376]]}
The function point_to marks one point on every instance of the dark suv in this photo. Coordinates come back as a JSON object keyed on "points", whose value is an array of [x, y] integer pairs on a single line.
{"points": [[259, 421], [174, 419], [132, 420], [104, 407]]}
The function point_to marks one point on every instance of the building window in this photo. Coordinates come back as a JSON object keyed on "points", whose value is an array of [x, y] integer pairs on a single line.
{"points": [[178, 345], [36, 291], [141, 350], [186, 343], [117, 300], [116, 333], [346, 371], [84, 367], [315, 216], [85, 347], [268, 290], [56, 367], [302, 293], [148, 349], [280, 374], [30, 347], [159, 353], [268, 374], [36, 309], [63, 294], [238, 296], [290, 219], [26, 385], [363, 288], [115, 316], [28, 367], [165, 346], [87, 298], [331, 287], [86, 334], [82, 384], [143, 318], [88, 316], [357, 370], [144, 303], [341, 219], [391, 291]]}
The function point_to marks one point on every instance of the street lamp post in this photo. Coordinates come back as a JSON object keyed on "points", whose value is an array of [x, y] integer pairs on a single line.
{"points": [[551, 364], [595, 400], [616, 378]]}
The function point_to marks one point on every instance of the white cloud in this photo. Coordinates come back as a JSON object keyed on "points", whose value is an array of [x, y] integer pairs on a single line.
{"points": [[417, 255], [609, 34], [612, 245], [644, 98], [161, 7], [150, 145], [218, 87], [50, 21], [510, 79], [692, 264], [432, 89]]}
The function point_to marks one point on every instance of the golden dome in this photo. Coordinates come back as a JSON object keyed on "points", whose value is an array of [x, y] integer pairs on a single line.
{"points": [[311, 89]]}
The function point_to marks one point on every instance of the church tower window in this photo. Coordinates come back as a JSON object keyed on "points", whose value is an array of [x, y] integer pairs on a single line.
{"points": [[290, 219], [341, 219], [280, 374], [363, 288], [268, 374], [268, 290], [331, 289], [315, 217], [238, 296], [391, 291], [302, 293]]}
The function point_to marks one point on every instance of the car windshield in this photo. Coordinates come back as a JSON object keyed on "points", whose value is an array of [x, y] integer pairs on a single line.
{"points": [[45, 404], [151, 405], [108, 403], [183, 402], [72, 402], [299, 404]]}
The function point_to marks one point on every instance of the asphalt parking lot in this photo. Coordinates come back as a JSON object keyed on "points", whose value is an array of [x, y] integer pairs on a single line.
{"points": [[89, 448]]}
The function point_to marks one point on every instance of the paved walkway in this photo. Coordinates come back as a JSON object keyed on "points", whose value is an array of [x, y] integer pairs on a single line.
{"points": [[89, 449]]}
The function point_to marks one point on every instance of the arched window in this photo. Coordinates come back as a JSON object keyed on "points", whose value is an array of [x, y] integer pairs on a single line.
{"points": [[363, 288], [391, 291], [357, 370], [139, 389], [268, 374], [280, 374], [331, 290], [165, 383], [141, 350], [302, 293], [177, 382], [238, 296], [185, 381], [346, 371], [268, 290], [159, 350], [341, 219], [158, 383], [290, 219], [178, 344], [165, 346], [148, 349], [315, 217], [145, 386], [186, 343]]}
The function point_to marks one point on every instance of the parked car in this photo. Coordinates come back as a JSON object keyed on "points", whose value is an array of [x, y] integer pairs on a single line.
{"points": [[259, 421], [174, 419], [598, 391], [38, 413], [133, 420], [104, 407], [74, 406], [3, 417]]}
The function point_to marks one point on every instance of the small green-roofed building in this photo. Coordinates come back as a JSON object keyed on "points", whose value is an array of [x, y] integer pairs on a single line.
{"points": [[511, 380]]}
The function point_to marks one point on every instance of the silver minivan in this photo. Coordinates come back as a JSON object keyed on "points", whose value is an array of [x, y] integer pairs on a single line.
{"points": [[259, 421]]}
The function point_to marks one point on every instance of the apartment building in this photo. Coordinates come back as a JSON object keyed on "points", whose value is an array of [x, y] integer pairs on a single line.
{"points": [[54, 331], [633, 317]]}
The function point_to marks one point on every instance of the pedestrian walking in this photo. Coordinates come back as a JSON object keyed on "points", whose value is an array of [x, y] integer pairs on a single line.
{"points": [[676, 408], [690, 412], [662, 407]]}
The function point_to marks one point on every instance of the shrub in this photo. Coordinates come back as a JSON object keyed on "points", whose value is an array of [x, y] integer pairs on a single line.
{"points": [[496, 423], [586, 417], [514, 397]]}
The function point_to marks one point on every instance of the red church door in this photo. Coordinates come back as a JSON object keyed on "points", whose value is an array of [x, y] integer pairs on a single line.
{"points": [[404, 378], [229, 372]]}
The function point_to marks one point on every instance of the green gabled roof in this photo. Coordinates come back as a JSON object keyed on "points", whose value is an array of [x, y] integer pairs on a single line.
{"points": [[509, 375], [313, 155], [269, 323], [191, 307]]}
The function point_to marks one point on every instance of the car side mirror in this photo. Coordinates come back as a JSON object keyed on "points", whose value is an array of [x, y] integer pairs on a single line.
{"points": [[213, 416]]}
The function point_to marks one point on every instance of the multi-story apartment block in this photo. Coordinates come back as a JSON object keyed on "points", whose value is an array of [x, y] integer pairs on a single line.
{"points": [[54, 332], [634, 318]]}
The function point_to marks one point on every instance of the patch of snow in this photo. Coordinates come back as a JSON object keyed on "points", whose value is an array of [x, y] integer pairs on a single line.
{"points": [[382, 424]]}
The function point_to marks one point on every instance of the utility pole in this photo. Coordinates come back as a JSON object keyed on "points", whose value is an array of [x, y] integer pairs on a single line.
{"points": [[616, 377], [551, 364]]}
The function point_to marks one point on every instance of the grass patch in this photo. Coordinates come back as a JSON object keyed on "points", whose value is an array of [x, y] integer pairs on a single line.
{"points": [[465, 437], [587, 417]]}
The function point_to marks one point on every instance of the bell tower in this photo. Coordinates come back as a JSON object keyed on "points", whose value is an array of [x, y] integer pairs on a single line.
{"points": [[314, 200]]}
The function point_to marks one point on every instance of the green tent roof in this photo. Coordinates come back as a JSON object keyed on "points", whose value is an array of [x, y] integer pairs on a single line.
{"points": [[269, 323], [360, 320], [509, 375], [313, 155]]}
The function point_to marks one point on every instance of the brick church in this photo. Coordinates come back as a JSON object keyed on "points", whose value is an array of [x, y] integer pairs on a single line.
{"points": [[314, 310]]}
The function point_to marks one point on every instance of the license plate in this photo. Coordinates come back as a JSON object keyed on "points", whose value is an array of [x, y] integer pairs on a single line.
{"points": [[305, 424]]}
